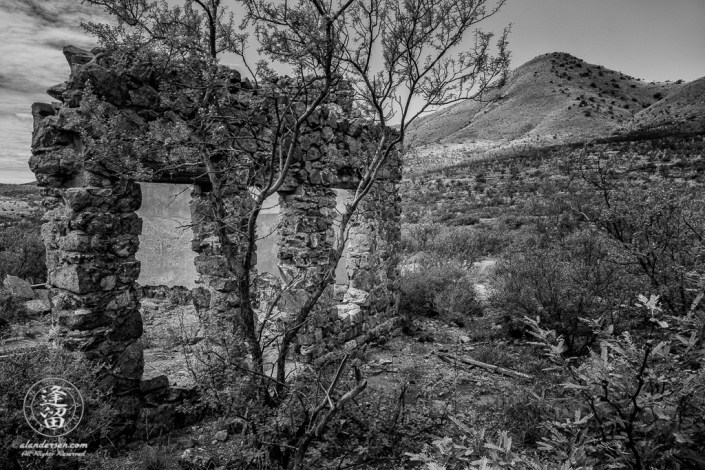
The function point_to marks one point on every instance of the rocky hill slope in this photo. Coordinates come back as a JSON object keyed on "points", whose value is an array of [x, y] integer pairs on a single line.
{"points": [[683, 110], [558, 97]]}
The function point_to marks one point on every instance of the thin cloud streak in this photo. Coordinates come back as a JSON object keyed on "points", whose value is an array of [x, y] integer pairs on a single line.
{"points": [[32, 35]]}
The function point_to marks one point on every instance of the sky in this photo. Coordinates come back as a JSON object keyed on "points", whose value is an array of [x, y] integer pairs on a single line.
{"points": [[655, 40]]}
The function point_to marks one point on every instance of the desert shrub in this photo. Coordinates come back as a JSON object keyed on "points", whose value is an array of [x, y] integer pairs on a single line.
{"points": [[524, 411], [18, 372], [437, 279], [561, 281], [418, 237], [11, 311], [657, 231], [635, 402], [22, 252], [488, 242], [435, 287]]}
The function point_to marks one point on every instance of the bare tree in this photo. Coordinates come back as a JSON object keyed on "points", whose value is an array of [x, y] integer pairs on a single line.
{"points": [[399, 60]]}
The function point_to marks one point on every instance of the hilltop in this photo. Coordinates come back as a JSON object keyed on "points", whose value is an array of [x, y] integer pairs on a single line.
{"points": [[558, 98]]}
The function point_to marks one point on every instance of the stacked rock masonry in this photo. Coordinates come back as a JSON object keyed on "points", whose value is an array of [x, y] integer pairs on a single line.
{"points": [[91, 230]]}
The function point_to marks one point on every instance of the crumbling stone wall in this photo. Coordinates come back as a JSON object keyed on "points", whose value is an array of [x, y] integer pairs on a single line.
{"points": [[92, 230]]}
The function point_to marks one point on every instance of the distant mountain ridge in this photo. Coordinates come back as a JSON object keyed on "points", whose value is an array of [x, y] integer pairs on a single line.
{"points": [[558, 97]]}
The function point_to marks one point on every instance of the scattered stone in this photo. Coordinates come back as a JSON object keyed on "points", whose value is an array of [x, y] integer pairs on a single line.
{"points": [[197, 459], [426, 338], [18, 287], [221, 436], [464, 339], [189, 443], [232, 426]]}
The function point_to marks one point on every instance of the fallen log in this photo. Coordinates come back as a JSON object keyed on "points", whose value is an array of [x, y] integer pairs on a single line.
{"points": [[490, 367]]}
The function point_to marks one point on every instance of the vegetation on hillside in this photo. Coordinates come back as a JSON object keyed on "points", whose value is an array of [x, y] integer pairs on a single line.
{"points": [[601, 262], [559, 97]]}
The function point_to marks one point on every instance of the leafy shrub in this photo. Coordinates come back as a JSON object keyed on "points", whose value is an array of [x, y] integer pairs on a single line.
{"points": [[22, 252], [561, 281], [657, 232], [19, 372], [436, 287], [638, 402], [11, 310]]}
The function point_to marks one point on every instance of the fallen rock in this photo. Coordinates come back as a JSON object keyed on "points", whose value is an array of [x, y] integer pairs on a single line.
{"points": [[231, 426], [464, 339], [18, 287], [426, 338], [221, 436], [197, 459]]}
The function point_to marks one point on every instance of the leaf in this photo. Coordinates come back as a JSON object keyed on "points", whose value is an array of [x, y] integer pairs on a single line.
{"points": [[493, 447], [435, 466], [657, 350], [460, 425], [574, 386], [661, 415], [682, 438]]}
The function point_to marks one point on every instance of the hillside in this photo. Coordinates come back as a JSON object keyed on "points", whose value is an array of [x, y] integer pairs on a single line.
{"points": [[556, 97], [683, 109], [18, 201]]}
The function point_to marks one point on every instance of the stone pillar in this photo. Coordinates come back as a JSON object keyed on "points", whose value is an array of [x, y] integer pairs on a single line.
{"points": [[306, 238], [373, 259], [217, 291], [91, 236]]}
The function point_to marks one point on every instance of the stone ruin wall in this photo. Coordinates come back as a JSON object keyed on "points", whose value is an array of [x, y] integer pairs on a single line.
{"points": [[92, 229]]}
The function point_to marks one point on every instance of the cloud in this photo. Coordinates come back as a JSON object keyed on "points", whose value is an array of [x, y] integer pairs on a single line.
{"points": [[32, 35]]}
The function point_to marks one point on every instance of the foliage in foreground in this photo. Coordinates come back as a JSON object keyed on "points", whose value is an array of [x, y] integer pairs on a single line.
{"points": [[18, 372], [640, 401], [632, 403], [22, 252]]}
